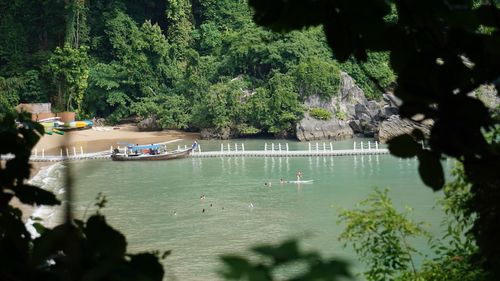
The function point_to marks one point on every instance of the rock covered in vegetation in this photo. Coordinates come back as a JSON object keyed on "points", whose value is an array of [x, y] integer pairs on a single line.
{"points": [[352, 114]]}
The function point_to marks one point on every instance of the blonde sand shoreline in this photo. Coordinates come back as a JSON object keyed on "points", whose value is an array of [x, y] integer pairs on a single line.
{"points": [[101, 140]]}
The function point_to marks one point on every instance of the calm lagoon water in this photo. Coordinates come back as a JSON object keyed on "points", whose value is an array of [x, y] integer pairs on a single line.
{"points": [[157, 204]]}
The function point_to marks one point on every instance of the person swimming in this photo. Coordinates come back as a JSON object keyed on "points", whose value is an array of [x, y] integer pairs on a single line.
{"points": [[203, 211]]}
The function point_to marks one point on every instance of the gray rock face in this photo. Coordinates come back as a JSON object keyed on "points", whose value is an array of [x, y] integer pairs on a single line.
{"points": [[352, 114], [312, 129], [149, 124], [489, 96], [211, 134], [395, 126]]}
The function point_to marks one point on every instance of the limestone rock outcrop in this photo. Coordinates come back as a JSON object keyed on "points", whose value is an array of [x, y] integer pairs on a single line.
{"points": [[396, 126], [211, 134], [352, 114], [149, 124]]}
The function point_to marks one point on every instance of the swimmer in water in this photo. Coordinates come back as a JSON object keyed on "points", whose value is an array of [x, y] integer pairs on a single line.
{"points": [[210, 204], [203, 211], [175, 213], [250, 205]]}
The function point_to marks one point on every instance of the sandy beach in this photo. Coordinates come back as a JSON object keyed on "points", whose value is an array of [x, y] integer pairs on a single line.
{"points": [[102, 138]]}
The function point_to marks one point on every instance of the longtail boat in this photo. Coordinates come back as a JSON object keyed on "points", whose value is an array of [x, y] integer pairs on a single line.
{"points": [[149, 153]]}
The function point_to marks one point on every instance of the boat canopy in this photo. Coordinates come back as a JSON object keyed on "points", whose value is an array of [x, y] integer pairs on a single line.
{"points": [[136, 148]]}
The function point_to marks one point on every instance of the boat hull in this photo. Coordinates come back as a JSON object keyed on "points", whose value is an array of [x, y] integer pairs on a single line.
{"points": [[159, 157]]}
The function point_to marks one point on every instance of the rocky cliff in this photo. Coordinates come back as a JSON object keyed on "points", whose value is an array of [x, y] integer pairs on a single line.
{"points": [[352, 114], [395, 126]]}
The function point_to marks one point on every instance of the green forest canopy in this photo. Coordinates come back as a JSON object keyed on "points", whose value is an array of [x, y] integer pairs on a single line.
{"points": [[191, 64]]}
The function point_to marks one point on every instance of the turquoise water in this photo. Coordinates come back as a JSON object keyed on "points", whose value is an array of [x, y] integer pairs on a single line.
{"points": [[157, 204]]}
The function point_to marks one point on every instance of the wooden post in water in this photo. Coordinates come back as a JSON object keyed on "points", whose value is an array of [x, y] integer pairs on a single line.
{"points": [[81, 150], [354, 146], [43, 153], [67, 151], [376, 145], [243, 147], [74, 151], [369, 148], [286, 147], [221, 147], [331, 147], [236, 147], [272, 147], [265, 147], [309, 147], [178, 147], [362, 148], [317, 147], [199, 148], [111, 149], [61, 152], [279, 146], [324, 146], [228, 147]]}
